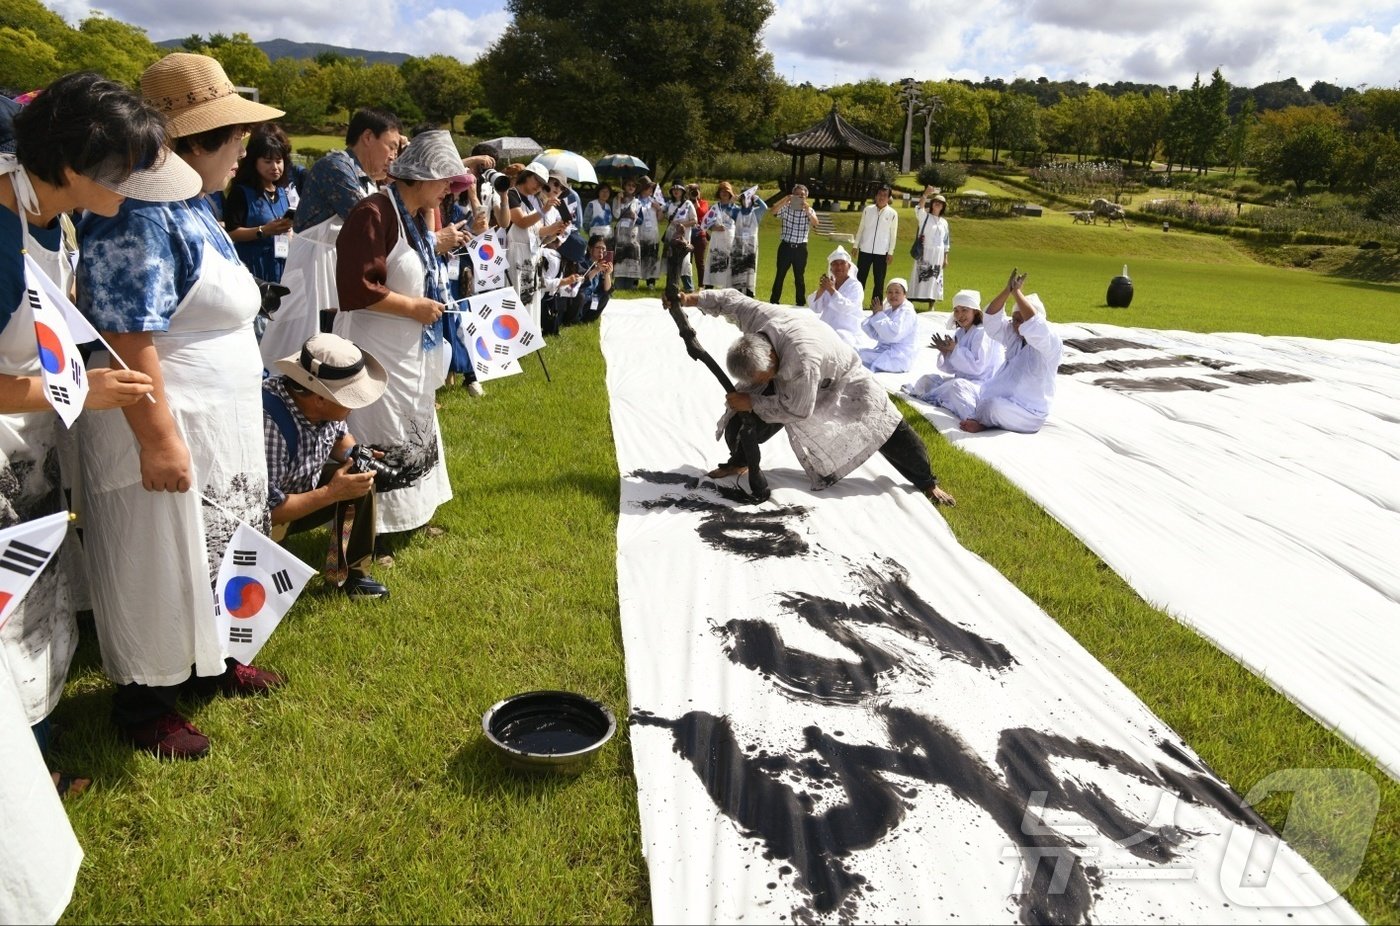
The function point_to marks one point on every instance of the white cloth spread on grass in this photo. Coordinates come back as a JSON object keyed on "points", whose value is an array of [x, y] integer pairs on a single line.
{"points": [[838, 714], [1264, 513]]}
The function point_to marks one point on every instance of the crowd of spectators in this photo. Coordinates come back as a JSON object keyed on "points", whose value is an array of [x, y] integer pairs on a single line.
{"points": [[272, 341]]}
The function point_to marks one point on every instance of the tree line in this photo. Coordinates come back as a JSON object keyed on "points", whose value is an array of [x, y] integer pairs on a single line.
{"points": [[689, 80]]}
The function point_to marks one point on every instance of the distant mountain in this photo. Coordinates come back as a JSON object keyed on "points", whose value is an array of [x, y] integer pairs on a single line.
{"points": [[284, 48]]}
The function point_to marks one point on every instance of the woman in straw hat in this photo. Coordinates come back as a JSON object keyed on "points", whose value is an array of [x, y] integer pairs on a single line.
{"points": [[392, 296], [164, 284]]}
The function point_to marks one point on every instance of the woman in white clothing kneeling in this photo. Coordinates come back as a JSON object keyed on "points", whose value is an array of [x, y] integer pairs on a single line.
{"points": [[966, 360]]}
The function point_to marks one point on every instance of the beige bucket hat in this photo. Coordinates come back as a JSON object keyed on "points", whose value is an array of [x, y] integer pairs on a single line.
{"points": [[336, 369]]}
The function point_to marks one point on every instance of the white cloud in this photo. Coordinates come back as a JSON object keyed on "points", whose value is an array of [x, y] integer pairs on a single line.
{"points": [[1351, 42], [406, 26]]}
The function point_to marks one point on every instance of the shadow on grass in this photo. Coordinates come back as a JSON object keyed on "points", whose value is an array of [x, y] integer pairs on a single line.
{"points": [[481, 772]]}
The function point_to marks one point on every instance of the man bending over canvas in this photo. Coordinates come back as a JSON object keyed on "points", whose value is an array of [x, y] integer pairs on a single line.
{"points": [[795, 373]]}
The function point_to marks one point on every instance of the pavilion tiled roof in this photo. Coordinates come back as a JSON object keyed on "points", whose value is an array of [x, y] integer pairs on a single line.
{"points": [[834, 137]]}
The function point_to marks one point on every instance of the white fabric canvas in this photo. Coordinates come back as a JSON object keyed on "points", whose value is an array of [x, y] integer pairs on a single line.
{"points": [[1264, 511], [840, 715]]}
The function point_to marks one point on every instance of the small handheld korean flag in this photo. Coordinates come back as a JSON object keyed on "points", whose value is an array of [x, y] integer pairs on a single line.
{"points": [[25, 550], [258, 582], [502, 323], [65, 376], [489, 255]]}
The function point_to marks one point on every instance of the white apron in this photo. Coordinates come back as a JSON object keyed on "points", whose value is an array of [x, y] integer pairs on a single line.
{"points": [[310, 275], [39, 855], [40, 637], [405, 416], [153, 557]]}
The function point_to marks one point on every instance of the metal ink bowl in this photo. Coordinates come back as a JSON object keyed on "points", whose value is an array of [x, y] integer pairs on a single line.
{"points": [[548, 732]]}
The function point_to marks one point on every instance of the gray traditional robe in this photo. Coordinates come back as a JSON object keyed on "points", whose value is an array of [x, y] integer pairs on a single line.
{"points": [[836, 415]]}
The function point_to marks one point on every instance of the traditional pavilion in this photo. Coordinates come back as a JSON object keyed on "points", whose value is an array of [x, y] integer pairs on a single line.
{"points": [[837, 139]]}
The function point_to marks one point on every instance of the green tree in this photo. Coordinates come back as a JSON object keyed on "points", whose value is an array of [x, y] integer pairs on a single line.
{"points": [[27, 62], [112, 48], [1298, 145], [441, 86], [1237, 145], [302, 89], [963, 121], [567, 73], [245, 63], [1145, 118], [354, 85], [1012, 122], [873, 106]]}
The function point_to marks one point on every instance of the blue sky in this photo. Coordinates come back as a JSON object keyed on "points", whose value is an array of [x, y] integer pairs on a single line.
{"points": [[1351, 42]]}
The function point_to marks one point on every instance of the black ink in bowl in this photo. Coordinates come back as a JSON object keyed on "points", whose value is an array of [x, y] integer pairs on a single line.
{"points": [[555, 732]]}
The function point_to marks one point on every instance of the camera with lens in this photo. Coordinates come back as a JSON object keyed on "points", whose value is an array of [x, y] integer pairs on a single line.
{"points": [[363, 460], [498, 180]]}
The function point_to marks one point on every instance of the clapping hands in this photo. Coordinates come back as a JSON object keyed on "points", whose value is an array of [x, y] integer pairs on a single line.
{"points": [[1016, 280], [943, 343]]}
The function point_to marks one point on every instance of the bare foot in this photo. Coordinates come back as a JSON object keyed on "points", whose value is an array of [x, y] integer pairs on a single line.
{"points": [[69, 785], [939, 497], [727, 470], [971, 425]]}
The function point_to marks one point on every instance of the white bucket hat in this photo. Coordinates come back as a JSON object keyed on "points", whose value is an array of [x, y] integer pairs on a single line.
{"points": [[336, 369], [900, 282]]}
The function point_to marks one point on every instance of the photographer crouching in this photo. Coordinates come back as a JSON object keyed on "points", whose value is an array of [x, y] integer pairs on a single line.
{"points": [[316, 473]]}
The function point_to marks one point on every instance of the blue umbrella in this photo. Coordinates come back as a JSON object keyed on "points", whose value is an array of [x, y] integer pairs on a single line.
{"points": [[620, 165]]}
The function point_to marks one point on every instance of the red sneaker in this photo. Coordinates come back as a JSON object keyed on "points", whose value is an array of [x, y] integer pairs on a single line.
{"points": [[169, 736], [239, 679]]}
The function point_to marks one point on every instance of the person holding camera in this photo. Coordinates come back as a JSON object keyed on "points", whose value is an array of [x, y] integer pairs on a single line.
{"points": [[931, 246], [316, 472], [798, 218]]}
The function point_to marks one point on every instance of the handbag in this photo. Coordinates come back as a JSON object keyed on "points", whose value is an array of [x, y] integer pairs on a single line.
{"points": [[916, 250]]}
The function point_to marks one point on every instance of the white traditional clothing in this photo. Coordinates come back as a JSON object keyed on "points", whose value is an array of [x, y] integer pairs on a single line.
{"points": [[309, 273], [649, 237], [843, 310], [1017, 397], [153, 557], [404, 421], [974, 359], [40, 637], [895, 331], [681, 212], [627, 254], [743, 254], [39, 855], [835, 413], [522, 246], [719, 225], [927, 277]]}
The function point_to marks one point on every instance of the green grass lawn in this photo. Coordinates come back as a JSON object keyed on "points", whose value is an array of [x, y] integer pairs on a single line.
{"points": [[363, 791]]}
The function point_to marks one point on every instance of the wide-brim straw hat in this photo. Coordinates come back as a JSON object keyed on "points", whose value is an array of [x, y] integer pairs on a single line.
{"points": [[336, 369], [429, 156], [195, 95], [169, 179]]}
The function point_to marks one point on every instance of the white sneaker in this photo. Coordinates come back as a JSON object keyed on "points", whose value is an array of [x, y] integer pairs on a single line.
{"points": [[475, 389]]}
